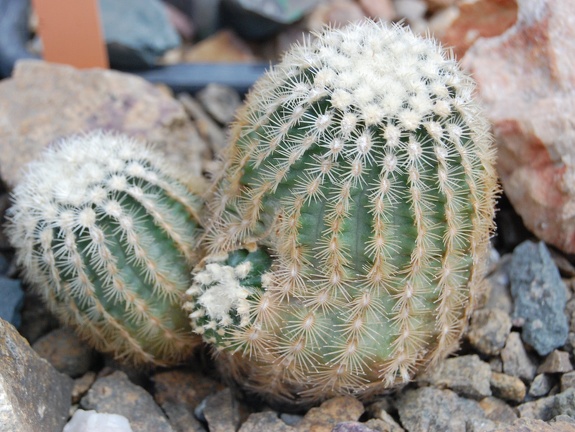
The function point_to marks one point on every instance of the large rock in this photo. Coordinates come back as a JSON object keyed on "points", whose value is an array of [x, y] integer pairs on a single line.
{"points": [[526, 79], [33, 395], [44, 102], [480, 18]]}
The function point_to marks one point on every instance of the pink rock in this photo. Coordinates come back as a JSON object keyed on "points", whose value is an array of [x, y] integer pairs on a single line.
{"points": [[526, 79], [378, 9], [479, 18]]}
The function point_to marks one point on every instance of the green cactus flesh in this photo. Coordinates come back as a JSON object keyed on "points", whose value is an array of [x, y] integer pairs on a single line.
{"points": [[108, 237], [364, 169]]}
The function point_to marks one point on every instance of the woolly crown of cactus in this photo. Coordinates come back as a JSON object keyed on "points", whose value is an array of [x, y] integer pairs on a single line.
{"points": [[351, 219], [107, 235]]}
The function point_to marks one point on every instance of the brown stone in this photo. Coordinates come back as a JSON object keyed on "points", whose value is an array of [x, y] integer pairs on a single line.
{"points": [[223, 46], [556, 362], [65, 351], [42, 103], [330, 413], [526, 78], [481, 18], [183, 387], [507, 387]]}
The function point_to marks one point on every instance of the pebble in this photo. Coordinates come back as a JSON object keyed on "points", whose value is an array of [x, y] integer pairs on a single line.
{"points": [[516, 362], [219, 101], [12, 297], [33, 395], [66, 352], [221, 411], [556, 362], [532, 425], [266, 421], [434, 410], [467, 375], [82, 385], [541, 385], [539, 297], [330, 413], [567, 381], [352, 427], [183, 386], [181, 419], [549, 407], [115, 394], [91, 421], [208, 129], [507, 387], [497, 410], [385, 421], [488, 330]]}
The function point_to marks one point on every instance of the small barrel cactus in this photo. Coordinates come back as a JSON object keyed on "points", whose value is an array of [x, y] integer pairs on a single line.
{"points": [[107, 234], [351, 219]]}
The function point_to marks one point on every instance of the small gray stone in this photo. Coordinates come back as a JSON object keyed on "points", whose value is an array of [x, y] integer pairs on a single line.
{"points": [[208, 129], [567, 381], [516, 362], [181, 419], [488, 330], [380, 425], [549, 407], [291, 419], [12, 300], [266, 421], [352, 426], [556, 362], [497, 410], [115, 394], [82, 385], [508, 387], [65, 351], [498, 292], [532, 425], [385, 422], [434, 410], [540, 386], [466, 375], [222, 412], [539, 297], [33, 395], [220, 101]]}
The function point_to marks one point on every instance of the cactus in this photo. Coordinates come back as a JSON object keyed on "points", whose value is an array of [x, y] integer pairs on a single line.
{"points": [[107, 235], [351, 220]]}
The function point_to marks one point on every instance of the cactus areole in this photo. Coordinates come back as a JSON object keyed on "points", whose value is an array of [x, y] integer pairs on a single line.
{"points": [[107, 235], [351, 219]]}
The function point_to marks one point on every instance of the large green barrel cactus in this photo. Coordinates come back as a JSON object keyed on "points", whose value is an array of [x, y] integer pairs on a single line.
{"points": [[351, 219], [108, 236]]}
